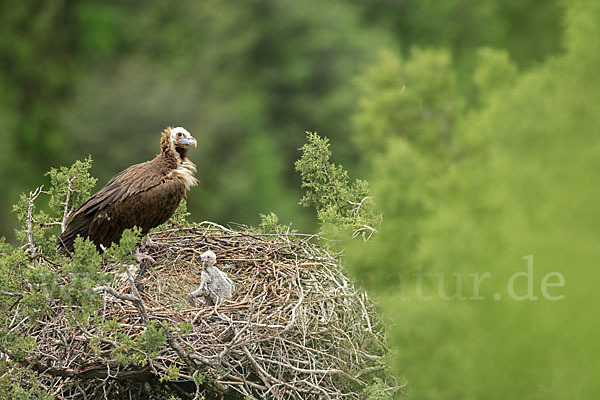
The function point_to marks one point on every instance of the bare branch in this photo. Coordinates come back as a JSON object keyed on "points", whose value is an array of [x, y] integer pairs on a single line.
{"points": [[12, 294], [365, 230], [67, 212], [53, 223], [138, 300], [113, 292], [32, 249]]}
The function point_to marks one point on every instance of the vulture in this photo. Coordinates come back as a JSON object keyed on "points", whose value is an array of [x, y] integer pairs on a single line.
{"points": [[215, 285], [144, 195]]}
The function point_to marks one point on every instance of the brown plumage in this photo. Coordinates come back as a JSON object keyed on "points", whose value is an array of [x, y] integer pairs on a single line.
{"points": [[144, 195]]}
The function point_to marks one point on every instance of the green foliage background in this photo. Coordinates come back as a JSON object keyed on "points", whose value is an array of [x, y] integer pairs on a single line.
{"points": [[475, 122]]}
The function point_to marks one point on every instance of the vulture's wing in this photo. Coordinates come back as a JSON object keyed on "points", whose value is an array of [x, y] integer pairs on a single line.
{"points": [[134, 179], [138, 196]]}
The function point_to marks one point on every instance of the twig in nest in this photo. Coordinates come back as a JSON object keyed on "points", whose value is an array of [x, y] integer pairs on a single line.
{"points": [[135, 298], [116, 294]]}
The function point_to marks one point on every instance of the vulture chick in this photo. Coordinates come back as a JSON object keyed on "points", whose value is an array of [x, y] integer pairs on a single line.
{"points": [[215, 285], [144, 195]]}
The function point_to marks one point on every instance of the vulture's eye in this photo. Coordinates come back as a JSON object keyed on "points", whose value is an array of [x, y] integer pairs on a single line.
{"points": [[179, 134]]}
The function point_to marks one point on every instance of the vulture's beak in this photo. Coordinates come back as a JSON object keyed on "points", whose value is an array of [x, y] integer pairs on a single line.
{"points": [[189, 142]]}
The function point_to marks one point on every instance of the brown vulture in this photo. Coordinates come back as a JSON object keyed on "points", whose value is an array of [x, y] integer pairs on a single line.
{"points": [[144, 195]]}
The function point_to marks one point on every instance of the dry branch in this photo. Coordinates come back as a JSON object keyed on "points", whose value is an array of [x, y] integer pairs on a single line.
{"points": [[67, 212], [31, 247]]}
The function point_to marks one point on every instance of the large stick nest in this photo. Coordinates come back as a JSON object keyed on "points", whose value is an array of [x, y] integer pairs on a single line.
{"points": [[296, 328]]}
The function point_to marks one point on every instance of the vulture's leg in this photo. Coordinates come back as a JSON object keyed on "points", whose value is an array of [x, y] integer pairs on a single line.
{"points": [[139, 256], [140, 274], [145, 260], [196, 293]]}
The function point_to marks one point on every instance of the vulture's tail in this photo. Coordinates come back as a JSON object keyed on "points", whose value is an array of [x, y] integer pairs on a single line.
{"points": [[79, 226]]}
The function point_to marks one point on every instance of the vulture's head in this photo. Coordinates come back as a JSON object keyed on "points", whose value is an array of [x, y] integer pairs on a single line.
{"points": [[208, 258], [182, 139]]}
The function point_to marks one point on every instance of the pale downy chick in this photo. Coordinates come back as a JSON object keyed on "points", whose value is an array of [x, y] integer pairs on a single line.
{"points": [[215, 285]]}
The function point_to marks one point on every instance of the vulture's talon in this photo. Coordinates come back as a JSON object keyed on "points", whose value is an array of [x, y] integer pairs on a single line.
{"points": [[141, 257]]}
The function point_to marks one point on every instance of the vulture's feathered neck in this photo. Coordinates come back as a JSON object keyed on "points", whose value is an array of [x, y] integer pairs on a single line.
{"points": [[174, 156], [182, 151], [172, 160]]}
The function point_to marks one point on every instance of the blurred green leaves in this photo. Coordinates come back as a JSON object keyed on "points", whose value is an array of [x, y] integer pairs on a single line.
{"points": [[416, 100], [105, 77], [515, 181]]}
